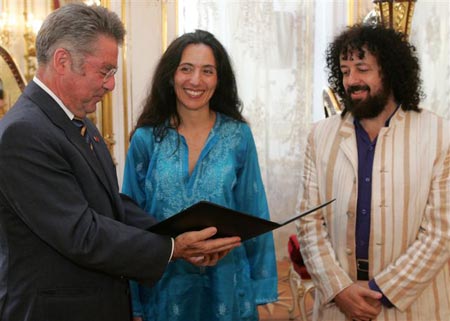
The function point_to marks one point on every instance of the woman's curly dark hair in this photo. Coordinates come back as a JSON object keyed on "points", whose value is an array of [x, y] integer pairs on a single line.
{"points": [[395, 55], [160, 106]]}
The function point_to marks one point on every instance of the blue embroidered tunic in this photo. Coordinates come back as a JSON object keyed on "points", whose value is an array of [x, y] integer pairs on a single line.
{"points": [[227, 173]]}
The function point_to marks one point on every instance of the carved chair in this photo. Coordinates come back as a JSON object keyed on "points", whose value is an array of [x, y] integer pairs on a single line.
{"points": [[331, 103], [300, 282]]}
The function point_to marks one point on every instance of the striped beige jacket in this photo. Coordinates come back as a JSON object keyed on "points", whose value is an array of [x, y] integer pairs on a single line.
{"points": [[409, 246]]}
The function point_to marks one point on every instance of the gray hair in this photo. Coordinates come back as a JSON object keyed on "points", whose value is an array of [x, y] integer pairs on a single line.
{"points": [[76, 27]]}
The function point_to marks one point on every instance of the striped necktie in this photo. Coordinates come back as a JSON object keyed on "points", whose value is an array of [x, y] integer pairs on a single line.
{"points": [[83, 131]]}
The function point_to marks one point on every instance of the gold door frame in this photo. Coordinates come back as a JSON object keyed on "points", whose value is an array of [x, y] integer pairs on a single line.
{"points": [[355, 11], [124, 83], [106, 113]]}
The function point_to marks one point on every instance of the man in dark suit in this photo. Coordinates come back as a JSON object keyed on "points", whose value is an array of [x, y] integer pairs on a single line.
{"points": [[69, 241]]}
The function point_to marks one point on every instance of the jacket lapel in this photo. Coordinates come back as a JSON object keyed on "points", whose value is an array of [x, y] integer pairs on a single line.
{"points": [[348, 141], [103, 155]]}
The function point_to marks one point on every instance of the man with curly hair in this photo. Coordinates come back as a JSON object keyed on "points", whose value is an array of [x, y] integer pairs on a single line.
{"points": [[382, 250]]}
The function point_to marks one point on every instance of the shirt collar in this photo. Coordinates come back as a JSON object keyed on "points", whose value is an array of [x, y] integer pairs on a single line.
{"points": [[386, 124], [53, 95]]}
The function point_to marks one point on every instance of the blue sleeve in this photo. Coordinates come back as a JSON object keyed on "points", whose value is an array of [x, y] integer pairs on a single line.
{"points": [[251, 198], [136, 299], [136, 166]]}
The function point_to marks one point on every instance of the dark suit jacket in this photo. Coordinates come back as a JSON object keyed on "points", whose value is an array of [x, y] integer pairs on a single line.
{"points": [[68, 241]]}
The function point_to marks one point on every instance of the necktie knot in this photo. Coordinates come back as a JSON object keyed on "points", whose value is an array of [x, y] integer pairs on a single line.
{"points": [[80, 124], [83, 130]]}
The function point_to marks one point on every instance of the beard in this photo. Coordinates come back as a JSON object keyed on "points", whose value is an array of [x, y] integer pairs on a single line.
{"points": [[367, 108]]}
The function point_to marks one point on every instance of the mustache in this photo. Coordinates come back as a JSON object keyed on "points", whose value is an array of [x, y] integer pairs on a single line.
{"points": [[352, 89]]}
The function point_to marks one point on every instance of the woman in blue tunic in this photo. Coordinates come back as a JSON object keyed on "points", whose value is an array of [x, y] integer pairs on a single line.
{"points": [[191, 143]]}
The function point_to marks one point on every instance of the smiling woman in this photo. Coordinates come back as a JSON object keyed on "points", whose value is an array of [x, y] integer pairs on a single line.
{"points": [[195, 78], [192, 143]]}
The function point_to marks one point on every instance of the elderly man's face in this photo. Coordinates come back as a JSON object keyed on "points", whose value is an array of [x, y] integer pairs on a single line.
{"points": [[84, 86]]}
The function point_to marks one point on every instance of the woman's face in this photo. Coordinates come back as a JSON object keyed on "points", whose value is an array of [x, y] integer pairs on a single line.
{"points": [[195, 79]]}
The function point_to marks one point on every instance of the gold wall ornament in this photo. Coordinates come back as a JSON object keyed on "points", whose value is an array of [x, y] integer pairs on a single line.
{"points": [[396, 14], [7, 22], [21, 20], [30, 52]]}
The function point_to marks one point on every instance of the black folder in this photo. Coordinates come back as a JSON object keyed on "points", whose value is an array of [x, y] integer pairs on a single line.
{"points": [[227, 221]]}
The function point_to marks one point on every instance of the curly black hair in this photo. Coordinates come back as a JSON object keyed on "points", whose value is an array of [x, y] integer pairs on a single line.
{"points": [[395, 55], [160, 107]]}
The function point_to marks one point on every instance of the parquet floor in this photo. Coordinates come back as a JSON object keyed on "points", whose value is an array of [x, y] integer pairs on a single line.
{"points": [[278, 311]]}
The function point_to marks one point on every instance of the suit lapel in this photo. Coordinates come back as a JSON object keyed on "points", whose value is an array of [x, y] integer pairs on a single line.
{"points": [[348, 141], [57, 116], [103, 155]]}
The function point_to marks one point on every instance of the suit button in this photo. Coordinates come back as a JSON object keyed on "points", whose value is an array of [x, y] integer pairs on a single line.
{"points": [[349, 251]]}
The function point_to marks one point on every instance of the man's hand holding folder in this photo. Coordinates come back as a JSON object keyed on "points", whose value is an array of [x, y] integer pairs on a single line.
{"points": [[198, 248]]}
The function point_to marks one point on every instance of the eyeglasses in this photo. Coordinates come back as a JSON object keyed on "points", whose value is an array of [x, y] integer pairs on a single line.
{"points": [[107, 75]]}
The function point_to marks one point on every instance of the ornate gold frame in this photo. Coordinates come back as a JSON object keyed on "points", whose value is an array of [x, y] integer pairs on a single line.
{"points": [[12, 80], [13, 67]]}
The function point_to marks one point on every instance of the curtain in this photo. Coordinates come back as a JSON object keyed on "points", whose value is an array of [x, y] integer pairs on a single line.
{"points": [[430, 33]]}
